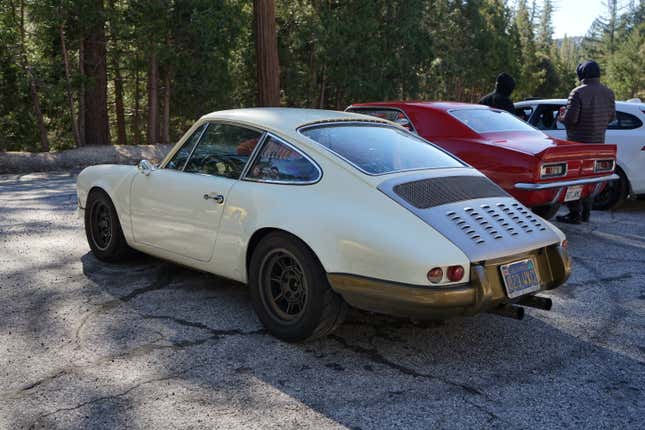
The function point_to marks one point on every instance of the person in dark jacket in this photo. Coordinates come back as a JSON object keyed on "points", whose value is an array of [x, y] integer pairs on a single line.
{"points": [[590, 109], [501, 97]]}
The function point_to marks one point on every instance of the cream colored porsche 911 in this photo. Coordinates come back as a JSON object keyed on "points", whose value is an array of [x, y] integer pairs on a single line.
{"points": [[315, 210]]}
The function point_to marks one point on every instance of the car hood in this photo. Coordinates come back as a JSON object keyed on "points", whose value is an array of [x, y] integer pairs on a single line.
{"points": [[473, 213]]}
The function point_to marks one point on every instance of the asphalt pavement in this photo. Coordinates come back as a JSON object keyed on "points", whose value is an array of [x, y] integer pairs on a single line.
{"points": [[149, 344]]}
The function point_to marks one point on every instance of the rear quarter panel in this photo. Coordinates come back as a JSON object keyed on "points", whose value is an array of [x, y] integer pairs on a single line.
{"points": [[350, 225]]}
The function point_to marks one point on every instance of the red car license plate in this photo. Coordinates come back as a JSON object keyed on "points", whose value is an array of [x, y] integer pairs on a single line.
{"points": [[573, 193]]}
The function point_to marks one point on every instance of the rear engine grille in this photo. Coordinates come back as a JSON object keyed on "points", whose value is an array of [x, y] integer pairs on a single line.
{"points": [[427, 193], [493, 222]]}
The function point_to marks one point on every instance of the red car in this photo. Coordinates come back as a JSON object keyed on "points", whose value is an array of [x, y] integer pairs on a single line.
{"points": [[539, 171]]}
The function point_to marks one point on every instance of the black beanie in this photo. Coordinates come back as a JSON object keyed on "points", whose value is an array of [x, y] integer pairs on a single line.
{"points": [[588, 69]]}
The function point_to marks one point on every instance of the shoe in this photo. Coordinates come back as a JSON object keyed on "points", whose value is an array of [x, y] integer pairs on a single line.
{"points": [[585, 216], [568, 219]]}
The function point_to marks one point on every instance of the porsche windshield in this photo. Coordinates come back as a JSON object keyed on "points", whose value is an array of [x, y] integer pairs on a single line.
{"points": [[490, 121], [380, 149]]}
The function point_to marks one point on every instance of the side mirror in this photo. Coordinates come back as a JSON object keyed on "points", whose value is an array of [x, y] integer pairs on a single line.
{"points": [[145, 167]]}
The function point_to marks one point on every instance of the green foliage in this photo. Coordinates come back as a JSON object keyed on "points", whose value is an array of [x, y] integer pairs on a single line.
{"points": [[332, 53]]}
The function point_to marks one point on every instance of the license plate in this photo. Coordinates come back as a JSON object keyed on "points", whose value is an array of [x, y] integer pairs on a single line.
{"points": [[573, 193], [520, 277]]}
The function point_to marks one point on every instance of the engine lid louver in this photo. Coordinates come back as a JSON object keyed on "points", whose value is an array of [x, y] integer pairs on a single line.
{"points": [[473, 213], [430, 192]]}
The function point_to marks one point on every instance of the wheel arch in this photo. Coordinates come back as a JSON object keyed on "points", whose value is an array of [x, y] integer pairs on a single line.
{"points": [[263, 232], [620, 168]]}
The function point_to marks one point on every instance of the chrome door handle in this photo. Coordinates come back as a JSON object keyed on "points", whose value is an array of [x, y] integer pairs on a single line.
{"points": [[217, 197]]}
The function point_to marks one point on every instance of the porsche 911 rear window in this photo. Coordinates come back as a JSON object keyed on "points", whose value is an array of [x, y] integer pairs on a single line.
{"points": [[489, 121], [378, 150]]}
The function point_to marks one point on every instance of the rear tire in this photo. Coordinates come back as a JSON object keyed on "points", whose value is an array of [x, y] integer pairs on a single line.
{"points": [[290, 291], [103, 229], [614, 194], [547, 212]]}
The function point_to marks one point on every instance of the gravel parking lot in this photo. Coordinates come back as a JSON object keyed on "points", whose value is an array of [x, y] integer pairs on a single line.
{"points": [[149, 344]]}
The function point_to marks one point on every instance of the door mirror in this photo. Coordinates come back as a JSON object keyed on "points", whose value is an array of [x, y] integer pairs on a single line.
{"points": [[145, 167]]}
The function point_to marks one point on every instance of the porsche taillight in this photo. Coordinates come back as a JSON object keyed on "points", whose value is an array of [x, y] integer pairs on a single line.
{"points": [[455, 273], [435, 275]]}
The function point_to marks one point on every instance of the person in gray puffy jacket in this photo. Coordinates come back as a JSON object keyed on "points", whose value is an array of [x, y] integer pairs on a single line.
{"points": [[590, 108]]}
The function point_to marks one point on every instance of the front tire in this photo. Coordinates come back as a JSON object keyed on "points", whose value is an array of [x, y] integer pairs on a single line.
{"points": [[547, 212], [290, 291], [614, 193], [103, 229]]}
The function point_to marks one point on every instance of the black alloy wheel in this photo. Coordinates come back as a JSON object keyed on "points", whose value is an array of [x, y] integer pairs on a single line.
{"points": [[284, 288], [102, 228], [614, 193], [290, 291]]}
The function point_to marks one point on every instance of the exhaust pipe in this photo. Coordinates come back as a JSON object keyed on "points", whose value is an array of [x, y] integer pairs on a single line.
{"points": [[538, 302], [509, 311]]}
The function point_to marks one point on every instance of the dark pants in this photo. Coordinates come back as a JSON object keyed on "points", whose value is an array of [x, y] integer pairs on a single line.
{"points": [[580, 208]]}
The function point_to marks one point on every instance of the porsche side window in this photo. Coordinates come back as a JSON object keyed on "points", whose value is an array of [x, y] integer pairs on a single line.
{"points": [[223, 150], [178, 161], [278, 162]]}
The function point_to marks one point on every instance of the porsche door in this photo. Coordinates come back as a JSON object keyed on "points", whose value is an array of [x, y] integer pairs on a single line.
{"points": [[178, 208]]}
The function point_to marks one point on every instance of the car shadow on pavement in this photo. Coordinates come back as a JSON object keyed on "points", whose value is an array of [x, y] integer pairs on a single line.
{"points": [[160, 325]]}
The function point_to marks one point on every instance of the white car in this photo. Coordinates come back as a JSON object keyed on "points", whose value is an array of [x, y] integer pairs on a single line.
{"points": [[318, 209], [627, 132]]}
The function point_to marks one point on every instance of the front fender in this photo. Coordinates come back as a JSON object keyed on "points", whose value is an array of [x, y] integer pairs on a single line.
{"points": [[113, 179]]}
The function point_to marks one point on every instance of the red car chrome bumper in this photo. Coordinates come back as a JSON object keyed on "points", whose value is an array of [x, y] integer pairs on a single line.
{"points": [[560, 186]]}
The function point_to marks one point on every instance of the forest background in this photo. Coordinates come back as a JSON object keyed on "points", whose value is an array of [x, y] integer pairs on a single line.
{"points": [[99, 72]]}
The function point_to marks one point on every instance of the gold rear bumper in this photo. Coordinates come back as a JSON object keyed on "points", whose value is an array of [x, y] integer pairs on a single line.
{"points": [[484, 291]]}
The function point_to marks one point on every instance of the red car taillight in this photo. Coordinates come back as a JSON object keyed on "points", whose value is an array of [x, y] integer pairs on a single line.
{"points": [[603, 166], [553, 170]]}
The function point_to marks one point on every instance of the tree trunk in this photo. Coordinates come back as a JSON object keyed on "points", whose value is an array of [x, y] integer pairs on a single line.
{"points": [[33, 84], [266, 53], [44, 141], [97, 126], [118, 104], [323, 83], [165, 123], [136, 115], [70, 98], [118, 82], [153, 99], [81, 91]]}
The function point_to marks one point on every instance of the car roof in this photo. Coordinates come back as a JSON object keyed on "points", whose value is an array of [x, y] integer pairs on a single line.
{"points": [[621, 104], [286, 120], [438, 105]]}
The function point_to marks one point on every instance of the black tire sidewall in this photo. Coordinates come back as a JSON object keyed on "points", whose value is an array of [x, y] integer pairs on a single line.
{"points": [[115, 248], [547, 212], [618, 193], [316, 279]]}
